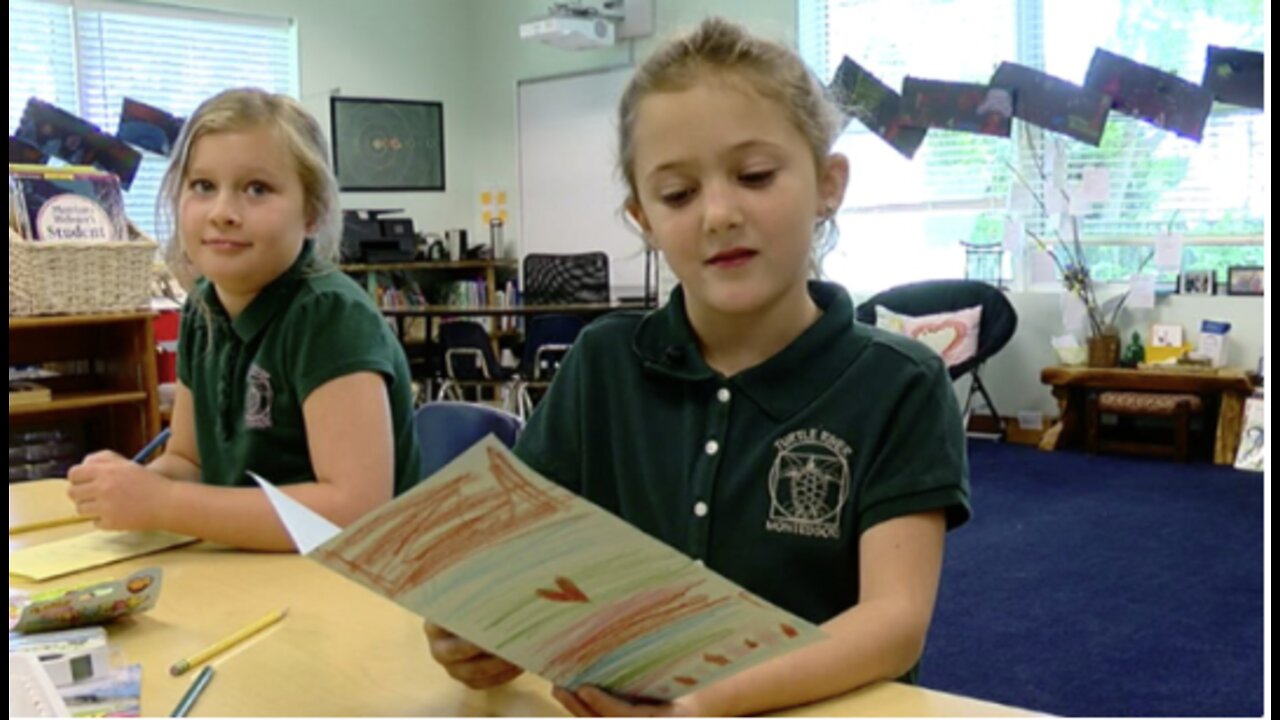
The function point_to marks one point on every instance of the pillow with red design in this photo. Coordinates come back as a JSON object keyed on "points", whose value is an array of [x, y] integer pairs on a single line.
{"points": [[953, 335]]}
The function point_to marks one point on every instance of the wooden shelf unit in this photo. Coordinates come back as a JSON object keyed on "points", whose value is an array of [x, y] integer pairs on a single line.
{"points": [[461, 269], [454, 265], [116, 402]]}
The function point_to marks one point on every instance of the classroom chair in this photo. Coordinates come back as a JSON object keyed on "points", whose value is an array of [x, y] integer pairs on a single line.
{"points": [[447, 429], [471, 369], [566, 279], [547, 340], [999, 322]]}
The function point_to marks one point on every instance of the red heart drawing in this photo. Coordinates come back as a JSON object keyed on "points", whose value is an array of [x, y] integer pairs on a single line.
{"points": [[790, 631], [568, 592], [940, 330], [719, 660]]}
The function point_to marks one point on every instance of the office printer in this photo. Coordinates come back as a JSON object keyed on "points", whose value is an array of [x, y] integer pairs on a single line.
{"points": [[369, 237]]}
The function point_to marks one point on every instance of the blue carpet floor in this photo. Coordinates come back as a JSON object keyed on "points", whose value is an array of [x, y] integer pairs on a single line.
{"points": [[1104, 586]]}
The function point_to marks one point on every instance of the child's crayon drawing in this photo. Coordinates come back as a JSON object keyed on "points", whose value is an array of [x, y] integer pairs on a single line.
{"points": [[1055, 104], [548, 581], [863, 96], [961, 107], [1162, 99], [1236, 76]]}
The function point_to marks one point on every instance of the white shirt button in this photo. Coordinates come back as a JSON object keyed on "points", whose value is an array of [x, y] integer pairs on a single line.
{"points": [[724, 395], [699, 563], [713, 447], [701, 510]]}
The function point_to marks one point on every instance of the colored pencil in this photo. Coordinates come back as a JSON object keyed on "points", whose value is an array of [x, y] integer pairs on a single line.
{"points": [[222, 646]]}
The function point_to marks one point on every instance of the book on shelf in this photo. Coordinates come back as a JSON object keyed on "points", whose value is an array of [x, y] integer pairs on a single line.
{"points": [[67, 204], [23, 392]]}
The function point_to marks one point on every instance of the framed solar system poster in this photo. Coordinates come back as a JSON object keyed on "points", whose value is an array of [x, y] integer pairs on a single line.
{"points": [[388, 145]]}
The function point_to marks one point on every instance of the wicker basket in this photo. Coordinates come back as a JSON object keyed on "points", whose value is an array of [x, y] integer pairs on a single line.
{"points": [[79, 278]]}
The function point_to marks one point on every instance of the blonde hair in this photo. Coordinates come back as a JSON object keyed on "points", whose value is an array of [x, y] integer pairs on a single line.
{"points": [[242, 109], [719, 49]]}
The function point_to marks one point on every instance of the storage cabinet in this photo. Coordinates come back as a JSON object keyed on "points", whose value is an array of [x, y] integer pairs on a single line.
{"points": [[106, 395]]}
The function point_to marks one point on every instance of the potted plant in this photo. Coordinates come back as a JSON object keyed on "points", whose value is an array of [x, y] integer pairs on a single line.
{"points": [[1068, 254]]}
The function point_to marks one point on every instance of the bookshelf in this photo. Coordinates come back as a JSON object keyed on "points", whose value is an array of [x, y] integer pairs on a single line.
{"points": [[463, 283], [111, 400], [436, 280], [489, 266]]}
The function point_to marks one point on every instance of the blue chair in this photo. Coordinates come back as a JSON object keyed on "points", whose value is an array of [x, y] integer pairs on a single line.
{"points": [[471, 369], [548, 339], [448, 429]]}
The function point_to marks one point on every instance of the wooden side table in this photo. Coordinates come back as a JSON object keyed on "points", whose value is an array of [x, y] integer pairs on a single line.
{"points": [[1072, 386]]}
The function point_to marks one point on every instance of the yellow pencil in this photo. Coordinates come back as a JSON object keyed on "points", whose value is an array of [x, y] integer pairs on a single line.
{"points": [[47, 524], [218, 648]]}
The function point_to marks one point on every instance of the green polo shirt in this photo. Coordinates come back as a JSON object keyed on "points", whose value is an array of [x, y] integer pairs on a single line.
{"points": [[769, 477], [307, 328]]}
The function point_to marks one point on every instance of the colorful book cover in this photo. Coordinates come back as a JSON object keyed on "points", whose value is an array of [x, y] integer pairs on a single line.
{"points": [[68, 204], [148, 127], [116, 695], [60, 134], [84, 605]]}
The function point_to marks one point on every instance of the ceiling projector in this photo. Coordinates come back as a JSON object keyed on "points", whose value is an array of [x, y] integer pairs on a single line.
{"points": [[571, 32]]}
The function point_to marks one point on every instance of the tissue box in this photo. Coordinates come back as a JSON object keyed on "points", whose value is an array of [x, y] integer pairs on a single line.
{"points": [[1213, 342]]}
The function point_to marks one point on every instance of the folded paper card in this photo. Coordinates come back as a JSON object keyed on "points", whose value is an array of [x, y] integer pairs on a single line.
{"points": [[91, 550], [544, 579]]}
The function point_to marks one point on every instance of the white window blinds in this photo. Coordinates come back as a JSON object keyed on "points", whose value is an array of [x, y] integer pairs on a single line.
{"points": [[41, 56], [170, 58]]}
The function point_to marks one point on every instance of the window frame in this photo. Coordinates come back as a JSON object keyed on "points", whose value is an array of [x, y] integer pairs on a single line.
{"points": [[813, 39]]}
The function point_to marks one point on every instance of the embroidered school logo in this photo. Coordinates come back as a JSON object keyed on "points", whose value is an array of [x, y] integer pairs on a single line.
{"points": [[809, 485], [258, 400]]}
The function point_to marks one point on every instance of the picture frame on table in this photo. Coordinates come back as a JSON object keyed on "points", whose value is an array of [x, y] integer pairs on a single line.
{"points": [[1198, 282], [1167, 336], [1247, 280]]}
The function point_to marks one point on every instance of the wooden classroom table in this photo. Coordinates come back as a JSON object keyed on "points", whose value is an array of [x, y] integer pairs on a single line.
{"points": [[342, 651], [1071, 386]]}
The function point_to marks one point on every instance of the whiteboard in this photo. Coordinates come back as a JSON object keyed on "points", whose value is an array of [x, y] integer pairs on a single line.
{"points": [[570, 193]]}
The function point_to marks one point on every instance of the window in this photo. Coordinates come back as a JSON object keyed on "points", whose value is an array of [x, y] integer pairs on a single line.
{"points": [[86, 57], [904, 220]]}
